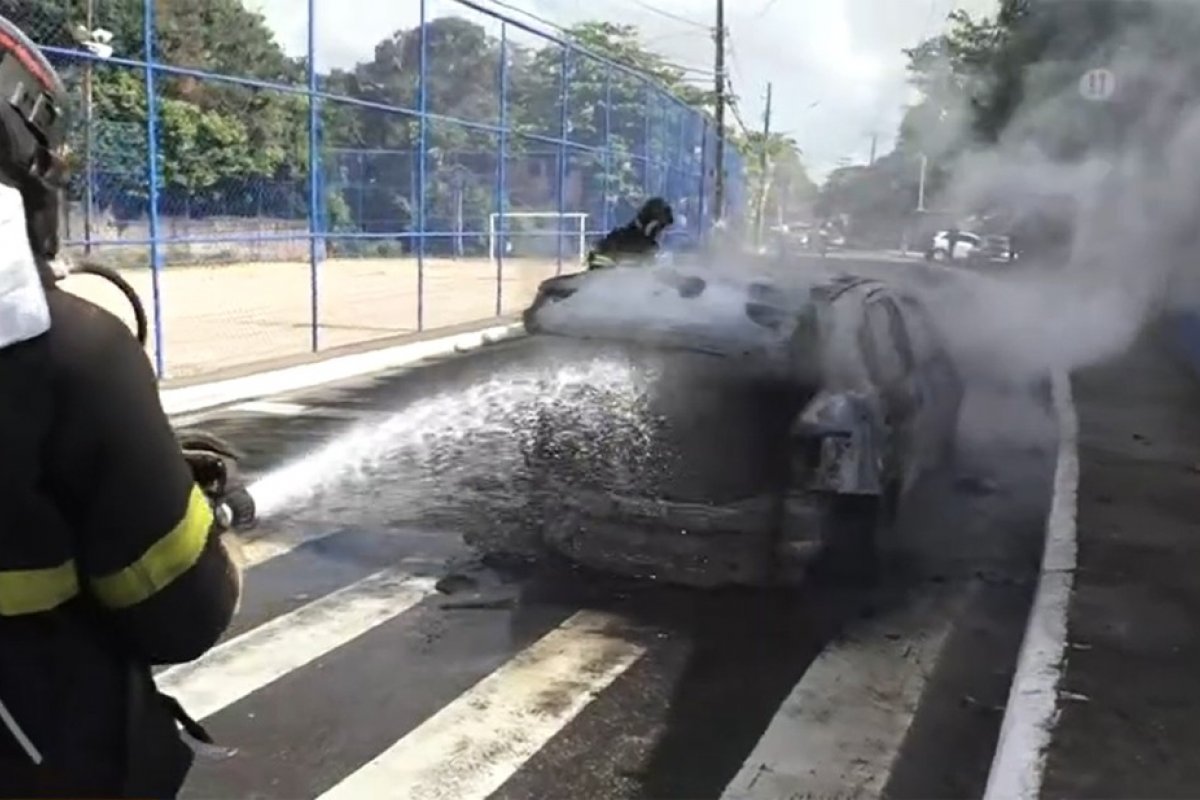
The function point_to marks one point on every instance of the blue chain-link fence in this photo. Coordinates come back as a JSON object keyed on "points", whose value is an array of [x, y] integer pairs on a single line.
{"points": [[274, 190]]}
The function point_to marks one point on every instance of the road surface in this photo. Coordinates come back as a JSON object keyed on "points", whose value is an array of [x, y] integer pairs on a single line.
{"points": [[378, 655], [1130, 700]]}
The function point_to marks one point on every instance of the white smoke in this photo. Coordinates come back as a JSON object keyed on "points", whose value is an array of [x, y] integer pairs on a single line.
{"points": [[1133, 252]]}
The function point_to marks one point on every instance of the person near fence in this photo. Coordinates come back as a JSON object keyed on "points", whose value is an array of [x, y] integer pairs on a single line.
{"points": [[110, 557], [635, 240]]}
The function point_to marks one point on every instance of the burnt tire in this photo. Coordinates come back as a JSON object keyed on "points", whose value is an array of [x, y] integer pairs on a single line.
{"points": [[852, 549]]}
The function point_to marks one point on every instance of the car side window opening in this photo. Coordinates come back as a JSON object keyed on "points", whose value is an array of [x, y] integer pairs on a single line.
{"points": [[923, 337], [888, 350]]}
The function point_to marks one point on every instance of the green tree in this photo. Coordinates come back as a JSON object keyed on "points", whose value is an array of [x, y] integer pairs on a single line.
{"points": [[222, 147], [373, 155], [612, 107], [231, 149], [780, 188]]}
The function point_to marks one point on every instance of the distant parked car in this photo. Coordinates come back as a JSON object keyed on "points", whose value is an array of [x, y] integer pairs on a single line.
{"points": [[970, 247]]}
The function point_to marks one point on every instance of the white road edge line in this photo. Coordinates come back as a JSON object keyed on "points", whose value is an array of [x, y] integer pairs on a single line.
{"points": [[469, 748], [1032, 710], [273, 408], [841, 728], [246, 663], [305, 376]]}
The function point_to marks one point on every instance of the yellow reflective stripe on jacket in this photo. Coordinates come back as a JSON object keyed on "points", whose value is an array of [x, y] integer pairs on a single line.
{"points": [[30, 591], [598, 260], [163, 562]]}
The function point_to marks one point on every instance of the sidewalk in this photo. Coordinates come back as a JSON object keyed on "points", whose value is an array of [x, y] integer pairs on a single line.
{"points": [[232, 315], [1130, 698]]}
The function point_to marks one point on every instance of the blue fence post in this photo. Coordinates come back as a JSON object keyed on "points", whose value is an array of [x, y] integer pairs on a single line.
{"points": [[683, 159], [362, 187], [608, 148], [498, 235], [704, 180], [646, 162], [422, 150], [693, 145], [562, 152], [152, 185], [314, 185]]}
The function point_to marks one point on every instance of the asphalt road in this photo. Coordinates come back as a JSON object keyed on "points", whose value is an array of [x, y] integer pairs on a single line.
{"points": [[1128, 723], [378, 654]]}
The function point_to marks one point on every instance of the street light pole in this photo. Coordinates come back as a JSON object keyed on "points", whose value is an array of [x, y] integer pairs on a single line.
{"points": [[921, 183]]}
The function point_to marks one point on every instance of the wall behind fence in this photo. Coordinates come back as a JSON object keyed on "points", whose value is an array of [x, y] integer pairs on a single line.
{"points": [[268, 204]]}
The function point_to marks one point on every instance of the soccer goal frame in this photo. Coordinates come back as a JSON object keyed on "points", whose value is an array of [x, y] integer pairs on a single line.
{"points": [[494, 228]]}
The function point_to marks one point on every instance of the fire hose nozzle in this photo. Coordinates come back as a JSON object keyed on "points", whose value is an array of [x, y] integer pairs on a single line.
{"points": [[223, 516]]}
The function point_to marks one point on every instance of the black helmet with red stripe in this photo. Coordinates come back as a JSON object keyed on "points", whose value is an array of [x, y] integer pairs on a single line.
{"points": [[655, 216], [33, 102]]}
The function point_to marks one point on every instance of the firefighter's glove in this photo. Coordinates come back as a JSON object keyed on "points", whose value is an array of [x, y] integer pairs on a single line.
{"points": [[214, 464]]}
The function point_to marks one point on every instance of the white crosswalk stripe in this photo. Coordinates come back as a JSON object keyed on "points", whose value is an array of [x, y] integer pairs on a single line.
{"points": [[246, 663], [473, 745], [870, 680], [840, 729]]}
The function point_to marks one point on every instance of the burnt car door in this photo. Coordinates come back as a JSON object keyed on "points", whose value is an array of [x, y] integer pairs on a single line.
{"points": [[887, 350], [936, 379]]}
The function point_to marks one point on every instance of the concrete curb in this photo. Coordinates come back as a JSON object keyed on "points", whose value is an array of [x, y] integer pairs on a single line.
{"points": [[1032, 709], [187, 399], [1184, 335]]}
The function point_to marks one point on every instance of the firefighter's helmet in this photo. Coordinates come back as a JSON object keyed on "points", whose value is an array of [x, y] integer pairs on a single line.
{"points": [[33, 104]]}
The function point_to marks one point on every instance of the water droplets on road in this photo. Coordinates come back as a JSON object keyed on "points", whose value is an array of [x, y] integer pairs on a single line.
{"points": [[457, 459]]}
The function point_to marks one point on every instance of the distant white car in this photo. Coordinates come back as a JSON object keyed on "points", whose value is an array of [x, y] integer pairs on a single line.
{"points": [[969, 247]]}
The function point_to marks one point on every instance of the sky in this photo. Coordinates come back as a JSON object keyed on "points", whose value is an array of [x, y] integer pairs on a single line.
{"points": [[836, 65]]}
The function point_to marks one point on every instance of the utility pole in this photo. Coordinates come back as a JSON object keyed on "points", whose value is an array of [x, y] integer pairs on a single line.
{"points": [[719, 152], [874, 142], [764, 178]]}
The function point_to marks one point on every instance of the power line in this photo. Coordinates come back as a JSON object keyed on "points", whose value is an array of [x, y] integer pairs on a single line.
{"points": [[734, 61], [699, 72], [669, 15], [526, 12], [735, 109], [762, 12]]}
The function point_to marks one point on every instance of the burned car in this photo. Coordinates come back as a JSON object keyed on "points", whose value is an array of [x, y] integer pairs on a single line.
{"points": [[777, 426]]}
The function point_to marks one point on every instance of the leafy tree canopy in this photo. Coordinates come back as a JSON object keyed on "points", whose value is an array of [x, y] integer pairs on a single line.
{"points": [[226, 148]]}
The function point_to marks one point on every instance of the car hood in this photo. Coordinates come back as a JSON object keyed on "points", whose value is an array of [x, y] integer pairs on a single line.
{"points": [[672, 309]]}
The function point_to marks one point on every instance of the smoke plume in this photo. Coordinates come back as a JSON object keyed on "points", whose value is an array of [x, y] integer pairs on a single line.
{"points": [[1129, 170]]}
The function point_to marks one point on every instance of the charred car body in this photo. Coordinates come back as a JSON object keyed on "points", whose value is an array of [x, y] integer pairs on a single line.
{"points": [[778, 427]]}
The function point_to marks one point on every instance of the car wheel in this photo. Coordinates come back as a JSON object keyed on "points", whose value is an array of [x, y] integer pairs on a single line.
{"points": [[852, 552], [941, 255]]}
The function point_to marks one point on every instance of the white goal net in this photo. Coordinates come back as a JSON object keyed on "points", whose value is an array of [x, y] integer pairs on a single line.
{"points": [[538, 234]]}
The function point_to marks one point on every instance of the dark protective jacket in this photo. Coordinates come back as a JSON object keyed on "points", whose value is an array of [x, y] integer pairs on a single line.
{"points": [[636, 240], [626, 243], [109, 563]]}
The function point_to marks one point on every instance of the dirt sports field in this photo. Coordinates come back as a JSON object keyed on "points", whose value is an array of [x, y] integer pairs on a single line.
{"points": [[230, 315]]}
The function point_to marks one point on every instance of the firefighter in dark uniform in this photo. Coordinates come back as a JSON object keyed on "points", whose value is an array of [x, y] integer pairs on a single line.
{"points": [[110, 561], [635, 240]]}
